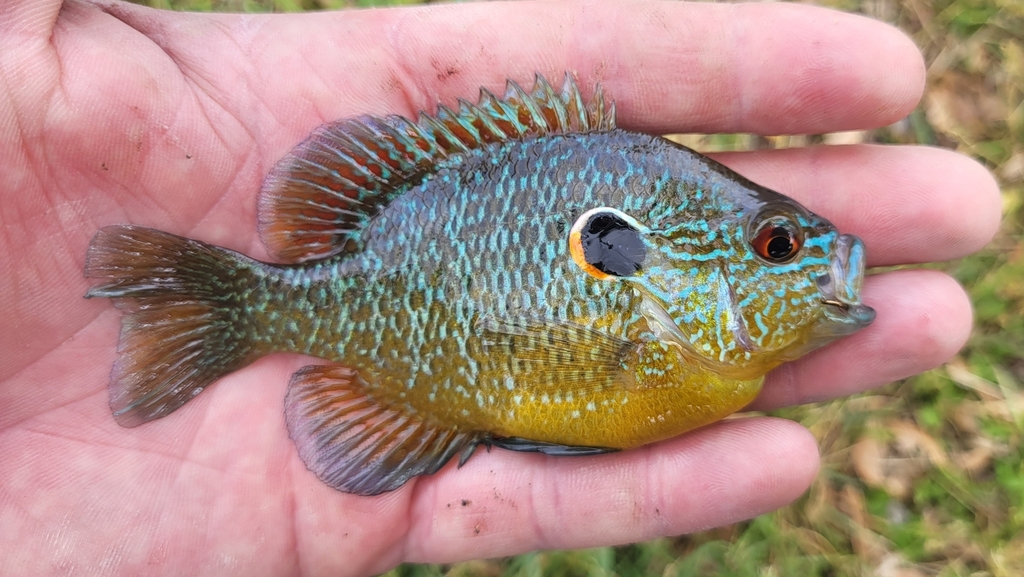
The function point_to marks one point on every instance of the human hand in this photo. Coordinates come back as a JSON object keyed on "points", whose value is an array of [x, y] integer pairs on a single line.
{"points": [[117, 114]]}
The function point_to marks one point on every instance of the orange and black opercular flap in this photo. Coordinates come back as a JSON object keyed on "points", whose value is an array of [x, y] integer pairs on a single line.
{"points": [[607, 243]]}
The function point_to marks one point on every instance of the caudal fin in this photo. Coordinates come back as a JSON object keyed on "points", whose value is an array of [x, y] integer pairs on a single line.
{"points": [[184, 323]]}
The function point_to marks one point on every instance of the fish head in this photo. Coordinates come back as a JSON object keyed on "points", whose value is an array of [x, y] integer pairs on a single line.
{"points": [[739, 288], [795, 283]]}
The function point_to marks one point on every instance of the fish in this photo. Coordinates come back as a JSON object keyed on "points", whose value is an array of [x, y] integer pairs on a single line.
{"points": [[516, 273]]}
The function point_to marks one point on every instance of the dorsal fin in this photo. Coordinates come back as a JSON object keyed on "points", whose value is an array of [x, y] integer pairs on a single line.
{"points": [[321, 194]]}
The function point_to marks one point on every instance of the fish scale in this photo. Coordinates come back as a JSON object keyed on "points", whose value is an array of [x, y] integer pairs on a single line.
{"points": [[518, 273]]}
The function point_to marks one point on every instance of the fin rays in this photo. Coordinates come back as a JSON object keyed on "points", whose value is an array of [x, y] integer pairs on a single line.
{"points": [[568, 356], [181, 328], [356, 445], [321, 194]]}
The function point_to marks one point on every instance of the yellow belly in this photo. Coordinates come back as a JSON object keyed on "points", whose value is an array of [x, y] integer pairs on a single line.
{"points": [[649, 406]]}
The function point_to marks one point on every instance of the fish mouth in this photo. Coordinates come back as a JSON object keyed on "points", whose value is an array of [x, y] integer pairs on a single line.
{"points": [[840, 288]]}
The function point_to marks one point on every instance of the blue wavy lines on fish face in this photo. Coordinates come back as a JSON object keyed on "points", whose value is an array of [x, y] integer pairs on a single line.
{"points": [[733, 307]]}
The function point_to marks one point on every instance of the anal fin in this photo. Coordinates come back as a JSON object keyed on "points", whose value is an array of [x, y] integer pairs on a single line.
{"points": [[355, 444]]}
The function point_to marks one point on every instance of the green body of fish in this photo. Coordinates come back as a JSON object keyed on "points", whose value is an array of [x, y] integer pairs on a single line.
{"points": [[519, 273]]}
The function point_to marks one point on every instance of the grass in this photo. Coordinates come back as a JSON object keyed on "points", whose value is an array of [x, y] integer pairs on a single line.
{"points": [[924, 476]]}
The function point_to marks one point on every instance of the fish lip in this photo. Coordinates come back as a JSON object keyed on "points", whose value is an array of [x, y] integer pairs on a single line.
{"points": [[840, 288], [857, 315]]}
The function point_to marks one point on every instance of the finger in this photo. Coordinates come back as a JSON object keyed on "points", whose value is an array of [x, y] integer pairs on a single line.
{"points": [[736, 68], [669, 66], [909, 204], [923, 319], [504, 503], [27, 19]]}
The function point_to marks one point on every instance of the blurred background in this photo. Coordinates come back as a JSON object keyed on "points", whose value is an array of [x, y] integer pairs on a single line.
{"points": [[922, 477]]}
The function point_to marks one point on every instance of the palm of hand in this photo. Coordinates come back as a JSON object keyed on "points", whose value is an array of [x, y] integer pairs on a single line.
{"points": [[171, 121]]}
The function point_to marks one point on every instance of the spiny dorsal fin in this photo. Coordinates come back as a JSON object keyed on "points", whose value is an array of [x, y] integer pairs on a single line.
{"points": [[321, 194]]}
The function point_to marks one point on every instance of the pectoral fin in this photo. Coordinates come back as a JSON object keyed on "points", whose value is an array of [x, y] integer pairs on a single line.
{"points": [[567, 357], [355, 444]]}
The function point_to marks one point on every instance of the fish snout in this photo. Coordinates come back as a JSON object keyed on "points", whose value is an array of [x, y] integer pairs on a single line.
{"points": [[840, 287]]}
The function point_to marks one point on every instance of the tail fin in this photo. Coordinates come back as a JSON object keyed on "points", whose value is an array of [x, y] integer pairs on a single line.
{"points": [[184, 323]]}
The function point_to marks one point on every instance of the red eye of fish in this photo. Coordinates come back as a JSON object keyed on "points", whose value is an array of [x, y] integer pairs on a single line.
{"points": [[776, 241]]}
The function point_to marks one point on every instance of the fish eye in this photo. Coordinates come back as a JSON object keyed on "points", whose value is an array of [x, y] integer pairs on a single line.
{"points": [[606, 243], [777, 240]]}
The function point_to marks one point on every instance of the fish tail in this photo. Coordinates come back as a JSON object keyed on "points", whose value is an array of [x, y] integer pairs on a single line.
{"points": [[185, 322]]}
